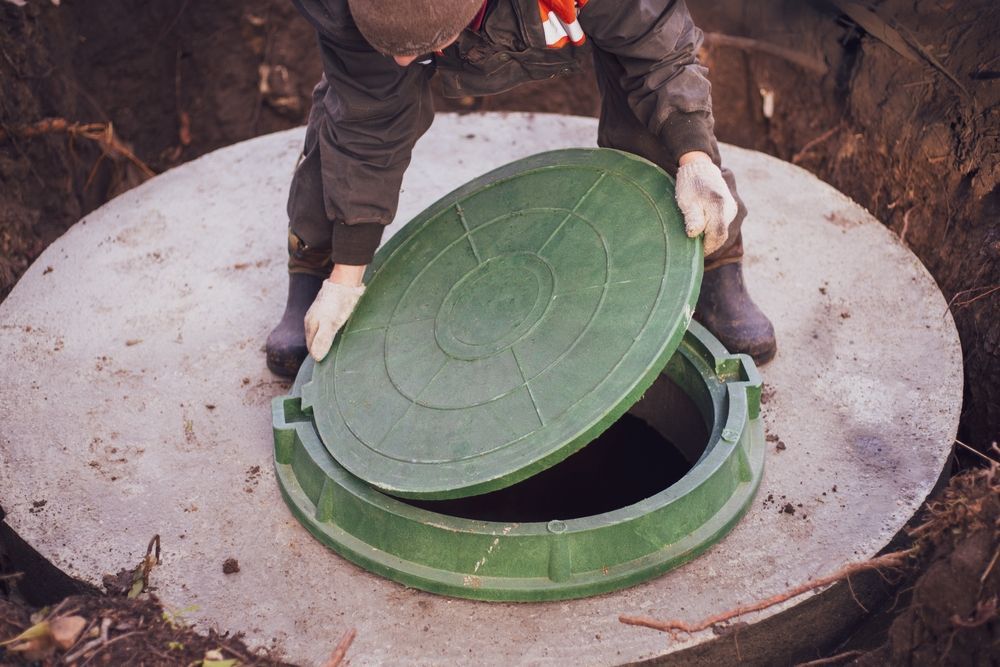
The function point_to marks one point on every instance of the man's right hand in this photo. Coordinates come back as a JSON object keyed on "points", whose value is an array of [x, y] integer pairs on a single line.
{"points": [[332, 307]]}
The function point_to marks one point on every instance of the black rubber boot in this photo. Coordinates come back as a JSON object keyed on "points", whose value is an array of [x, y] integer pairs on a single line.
{"points": [[726, 309], [286, 346]]}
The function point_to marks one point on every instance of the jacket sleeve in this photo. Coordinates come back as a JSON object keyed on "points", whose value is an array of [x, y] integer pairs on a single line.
{"points": [[656, 43], [373, 112]]}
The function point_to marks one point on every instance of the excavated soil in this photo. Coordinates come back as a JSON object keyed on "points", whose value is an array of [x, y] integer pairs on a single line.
{"points": [[898, 107]]}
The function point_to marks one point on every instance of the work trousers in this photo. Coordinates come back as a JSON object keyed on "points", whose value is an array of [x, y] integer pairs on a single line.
{"points": [[310, 230]]}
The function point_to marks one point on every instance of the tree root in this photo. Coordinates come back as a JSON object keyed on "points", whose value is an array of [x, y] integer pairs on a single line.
{"points": [[895, 559], [806, 62], [101, 133], [341, 651]]}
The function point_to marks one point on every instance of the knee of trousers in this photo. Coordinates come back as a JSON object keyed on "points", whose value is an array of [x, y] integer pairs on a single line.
{"points": [[303, 258]]}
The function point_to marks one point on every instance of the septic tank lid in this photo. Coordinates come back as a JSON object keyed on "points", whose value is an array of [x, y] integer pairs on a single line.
{"points": [[508, 325]]}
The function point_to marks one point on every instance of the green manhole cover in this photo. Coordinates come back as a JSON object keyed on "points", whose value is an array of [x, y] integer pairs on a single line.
{"points": [[508, 325]]}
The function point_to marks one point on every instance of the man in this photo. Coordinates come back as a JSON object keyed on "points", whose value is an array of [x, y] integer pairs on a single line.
{"points": [[374, 102]]}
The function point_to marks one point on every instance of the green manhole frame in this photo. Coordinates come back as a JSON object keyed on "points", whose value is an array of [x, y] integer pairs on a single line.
{"points": [[539, 561]]}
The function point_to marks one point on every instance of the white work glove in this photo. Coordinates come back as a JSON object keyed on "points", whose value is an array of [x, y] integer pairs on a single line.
{"points": [[706, 202], [333, 305]]}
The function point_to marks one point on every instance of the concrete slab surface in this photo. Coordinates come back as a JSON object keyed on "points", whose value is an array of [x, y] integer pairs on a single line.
{"points": [[135, 400]]}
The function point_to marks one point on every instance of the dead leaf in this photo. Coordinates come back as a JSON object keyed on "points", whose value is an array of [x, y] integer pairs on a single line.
{"points": [[214, 658], [140, 575], [33, 644]]}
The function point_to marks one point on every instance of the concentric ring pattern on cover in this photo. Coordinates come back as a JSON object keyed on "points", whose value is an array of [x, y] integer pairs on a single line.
{"points": [[508, 325]]}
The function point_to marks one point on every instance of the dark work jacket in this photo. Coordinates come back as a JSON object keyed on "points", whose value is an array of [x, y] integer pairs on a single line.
{"points": [[368, 111]]}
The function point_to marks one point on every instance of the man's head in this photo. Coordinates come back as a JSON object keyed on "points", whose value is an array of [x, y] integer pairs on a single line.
{"points": [[409, 29]]}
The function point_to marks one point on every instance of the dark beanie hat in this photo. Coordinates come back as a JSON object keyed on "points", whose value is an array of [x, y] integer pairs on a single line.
{"points": [[411, 28]]}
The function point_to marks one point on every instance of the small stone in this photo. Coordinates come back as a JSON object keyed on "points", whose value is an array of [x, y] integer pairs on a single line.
{"points": [[230, 566], [780, 446], [788, 509], [66, 630]]}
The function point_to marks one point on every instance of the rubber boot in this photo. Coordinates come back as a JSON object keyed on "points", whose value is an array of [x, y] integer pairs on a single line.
{"points": [[286, 346], [726, 309]]}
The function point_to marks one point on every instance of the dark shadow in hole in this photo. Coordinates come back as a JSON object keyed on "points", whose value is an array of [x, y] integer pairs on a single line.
{"points": [[627, 463]]}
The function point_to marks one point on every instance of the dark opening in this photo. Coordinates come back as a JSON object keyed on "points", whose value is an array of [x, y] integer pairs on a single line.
{"points": [[648, 449]]}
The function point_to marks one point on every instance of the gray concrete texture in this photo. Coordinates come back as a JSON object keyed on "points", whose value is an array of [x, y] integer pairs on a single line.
{"points": [[136, 401]]}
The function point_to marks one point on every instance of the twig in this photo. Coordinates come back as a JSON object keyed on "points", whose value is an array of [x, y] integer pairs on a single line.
{"points": [[966, 302], [906, 226], [86, 648], [990, 289], [840, 657], [815, 142], [989, 568], [338, 653], [173, 23], [749, 44], [17, 70], [183, 117], [236, 654], [894, 559], [59, 610], [107, 644], [976, 452], [850, 587]]}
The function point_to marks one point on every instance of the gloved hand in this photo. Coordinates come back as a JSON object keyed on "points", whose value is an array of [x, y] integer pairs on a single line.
{"points": [[559, 22], [329, 311], [706, 202]]}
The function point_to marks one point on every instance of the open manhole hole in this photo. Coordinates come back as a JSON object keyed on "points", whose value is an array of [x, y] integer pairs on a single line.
{"points": [[521, 408], [629, 462]]}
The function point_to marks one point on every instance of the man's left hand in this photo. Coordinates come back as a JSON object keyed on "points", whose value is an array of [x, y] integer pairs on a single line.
{"points": [[705, 200]]}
